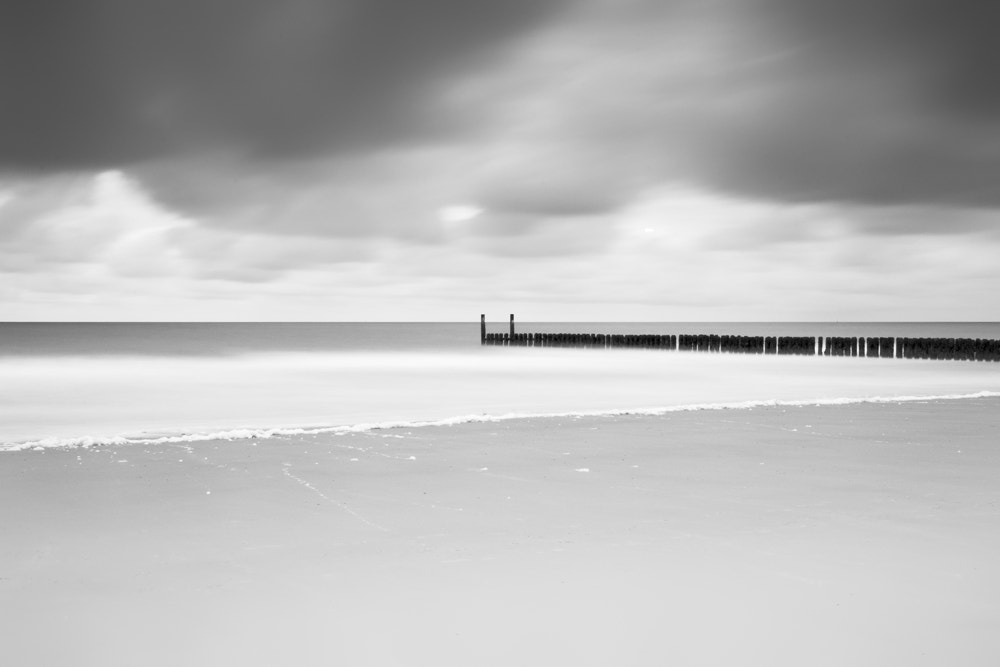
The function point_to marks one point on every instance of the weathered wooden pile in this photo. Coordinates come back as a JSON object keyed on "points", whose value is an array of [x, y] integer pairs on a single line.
{"points": [[962, 349], [652, 341]]}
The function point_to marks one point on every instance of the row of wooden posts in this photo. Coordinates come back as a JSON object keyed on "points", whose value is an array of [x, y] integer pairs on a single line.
{"points": [[962, 349]]}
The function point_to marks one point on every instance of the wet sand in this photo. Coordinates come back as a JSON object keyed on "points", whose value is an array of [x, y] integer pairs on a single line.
{"points": [[861, 534]]}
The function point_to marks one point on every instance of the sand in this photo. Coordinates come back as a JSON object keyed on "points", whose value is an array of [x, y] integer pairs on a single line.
{"points": [[864, 535]]}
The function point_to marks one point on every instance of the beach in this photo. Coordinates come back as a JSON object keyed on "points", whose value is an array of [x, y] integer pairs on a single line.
{"points": [[499, 334], [863, 534]]}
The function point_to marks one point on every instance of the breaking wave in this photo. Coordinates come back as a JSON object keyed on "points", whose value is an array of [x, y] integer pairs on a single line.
{"points": [[267, 433]]}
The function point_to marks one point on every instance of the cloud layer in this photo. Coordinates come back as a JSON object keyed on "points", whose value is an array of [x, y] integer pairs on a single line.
{"points": [[830, 152], [102, 83]]}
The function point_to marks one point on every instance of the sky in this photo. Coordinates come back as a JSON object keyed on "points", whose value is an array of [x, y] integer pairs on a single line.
{"points": [[587, 160]]}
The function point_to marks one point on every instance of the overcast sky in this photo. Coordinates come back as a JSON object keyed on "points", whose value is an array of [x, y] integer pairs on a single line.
{"points": [[559, 159]]}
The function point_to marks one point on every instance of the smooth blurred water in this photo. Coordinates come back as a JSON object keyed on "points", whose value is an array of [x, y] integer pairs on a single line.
{"points": [[60, 382], [203, 339]]}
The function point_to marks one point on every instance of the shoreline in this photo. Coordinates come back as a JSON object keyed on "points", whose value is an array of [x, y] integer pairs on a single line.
{"points": [[844, 534], [263, 433]]}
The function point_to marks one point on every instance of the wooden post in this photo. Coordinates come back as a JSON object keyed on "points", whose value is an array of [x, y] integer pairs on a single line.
{"points": [[512, 326], [482, 329]]}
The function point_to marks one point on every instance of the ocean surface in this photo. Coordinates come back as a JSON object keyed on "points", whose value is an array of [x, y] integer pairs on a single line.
{"points": [[73, 384]]}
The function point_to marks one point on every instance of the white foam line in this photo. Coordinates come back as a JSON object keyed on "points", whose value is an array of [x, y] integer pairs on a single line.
{"points": [[250, 434]]}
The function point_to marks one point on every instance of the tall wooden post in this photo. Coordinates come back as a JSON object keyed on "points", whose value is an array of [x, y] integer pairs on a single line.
{"points": [[512, 326], [482, 329]]}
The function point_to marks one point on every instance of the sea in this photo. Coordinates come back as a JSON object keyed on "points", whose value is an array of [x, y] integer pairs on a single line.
{"points": [[86, 384]]}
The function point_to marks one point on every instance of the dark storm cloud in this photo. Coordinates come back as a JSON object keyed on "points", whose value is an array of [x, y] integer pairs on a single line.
{"points": [[865, 102], [528, 236], [948, 50], [536, 201], [102, 83], [296, 117], [872, 101], [563, 181]]}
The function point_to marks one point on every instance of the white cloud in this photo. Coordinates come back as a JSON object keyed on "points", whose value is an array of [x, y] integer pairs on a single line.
{"points": [[458, 213], [105, 250]]}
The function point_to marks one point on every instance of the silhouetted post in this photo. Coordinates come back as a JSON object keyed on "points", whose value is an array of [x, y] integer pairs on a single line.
{"points": [[512, 326], [482, 329]]}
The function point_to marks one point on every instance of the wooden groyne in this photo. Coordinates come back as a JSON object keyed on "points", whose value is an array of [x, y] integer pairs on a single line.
{"points": [[952, 349]]}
